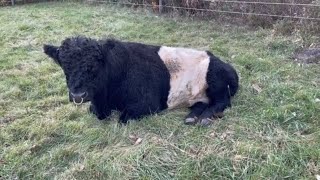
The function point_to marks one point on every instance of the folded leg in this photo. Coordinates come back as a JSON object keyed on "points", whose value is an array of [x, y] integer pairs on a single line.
{"points": [[196, 111]]}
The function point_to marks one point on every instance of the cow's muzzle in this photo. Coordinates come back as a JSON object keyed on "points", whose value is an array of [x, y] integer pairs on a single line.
{"points": [[79, 98]]}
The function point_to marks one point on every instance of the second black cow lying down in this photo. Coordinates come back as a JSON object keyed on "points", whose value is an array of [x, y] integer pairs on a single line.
{"points": [[139, 80]]}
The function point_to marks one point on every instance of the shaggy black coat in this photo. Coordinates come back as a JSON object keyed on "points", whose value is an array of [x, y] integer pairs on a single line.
{"points": [[132, 78]]}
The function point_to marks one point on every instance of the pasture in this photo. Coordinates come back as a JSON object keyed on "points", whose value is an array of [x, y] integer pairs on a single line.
{"points": [[272, 130]]}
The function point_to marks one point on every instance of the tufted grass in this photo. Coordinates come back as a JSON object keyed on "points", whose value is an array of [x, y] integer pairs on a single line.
{"points": [[271, 132]]}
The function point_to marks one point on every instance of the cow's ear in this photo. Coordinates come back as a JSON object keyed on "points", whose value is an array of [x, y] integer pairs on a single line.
{"points": [[52, 51]]}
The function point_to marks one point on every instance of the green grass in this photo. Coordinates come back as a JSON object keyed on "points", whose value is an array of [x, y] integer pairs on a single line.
{"points": [[274, 134]]}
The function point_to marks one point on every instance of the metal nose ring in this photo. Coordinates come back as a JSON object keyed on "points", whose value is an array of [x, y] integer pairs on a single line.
{"points": [[74, 101]]}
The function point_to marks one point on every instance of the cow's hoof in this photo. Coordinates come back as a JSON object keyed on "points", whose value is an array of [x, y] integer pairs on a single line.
{"points": [[206, 122], [190, 121]]}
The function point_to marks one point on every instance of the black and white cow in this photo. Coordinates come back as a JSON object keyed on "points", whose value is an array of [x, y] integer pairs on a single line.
{"points": [[138, 79]]}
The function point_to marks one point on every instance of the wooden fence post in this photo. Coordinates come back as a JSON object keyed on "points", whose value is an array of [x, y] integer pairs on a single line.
{"points": [[160, 6]]}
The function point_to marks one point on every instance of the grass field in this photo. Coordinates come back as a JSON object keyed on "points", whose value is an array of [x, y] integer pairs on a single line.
{"points": [[271, 132]]}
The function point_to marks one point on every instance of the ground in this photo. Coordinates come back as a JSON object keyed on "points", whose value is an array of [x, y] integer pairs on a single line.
{"points": [[272, 131]]}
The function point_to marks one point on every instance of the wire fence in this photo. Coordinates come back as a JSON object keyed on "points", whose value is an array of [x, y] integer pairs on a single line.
{"points": [[297, 15], [276, 9], [294, 14], [269, 3], [284, 16]]}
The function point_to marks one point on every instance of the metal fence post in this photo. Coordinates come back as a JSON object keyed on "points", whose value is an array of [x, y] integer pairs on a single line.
{"points": [[12, 2]]}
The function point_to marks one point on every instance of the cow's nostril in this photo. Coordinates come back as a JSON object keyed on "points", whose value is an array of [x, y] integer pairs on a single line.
{"points": [[79, 95]]}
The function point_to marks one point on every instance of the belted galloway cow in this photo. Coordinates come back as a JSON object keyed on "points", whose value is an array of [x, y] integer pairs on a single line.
{"points": [[139, 80]]}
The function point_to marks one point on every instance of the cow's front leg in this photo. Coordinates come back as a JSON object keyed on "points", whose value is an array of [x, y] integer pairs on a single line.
{"points": [[124, 117], [99, 106], [135, 111], [132, 113], [101, 112]]}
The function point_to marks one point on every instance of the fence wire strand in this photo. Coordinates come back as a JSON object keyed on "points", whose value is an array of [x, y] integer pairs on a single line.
{"points": [[207, 10], [265, 3]]}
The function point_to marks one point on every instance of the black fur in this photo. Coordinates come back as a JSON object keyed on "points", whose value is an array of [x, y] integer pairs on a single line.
{"points": [[131, 77]]}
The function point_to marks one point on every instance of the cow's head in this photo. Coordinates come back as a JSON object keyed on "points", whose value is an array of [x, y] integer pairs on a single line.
{"points": [[82, 62]]}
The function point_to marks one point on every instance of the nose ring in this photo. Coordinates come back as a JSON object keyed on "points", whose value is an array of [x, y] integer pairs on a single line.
{"points": [[74, 101]]}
